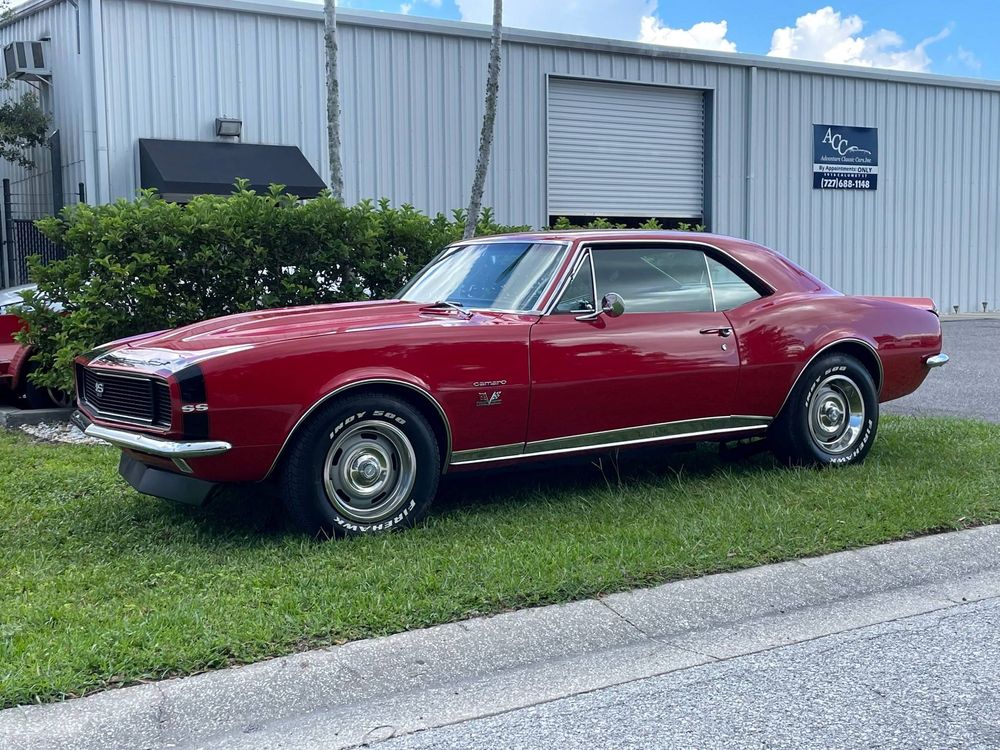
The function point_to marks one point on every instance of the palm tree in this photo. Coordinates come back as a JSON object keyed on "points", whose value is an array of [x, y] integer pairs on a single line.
{"points": [[489, 120], [333, 99]]}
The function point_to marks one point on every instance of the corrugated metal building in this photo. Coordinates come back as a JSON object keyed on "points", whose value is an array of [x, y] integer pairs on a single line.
{"points": [[586, 127]]}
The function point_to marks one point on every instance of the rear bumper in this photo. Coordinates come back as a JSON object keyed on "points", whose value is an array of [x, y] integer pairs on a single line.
{"points": [[938, 360], [165, 484]]}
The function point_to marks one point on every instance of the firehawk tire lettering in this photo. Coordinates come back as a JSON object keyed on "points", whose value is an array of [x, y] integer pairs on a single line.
{"points": [[302, 483]]}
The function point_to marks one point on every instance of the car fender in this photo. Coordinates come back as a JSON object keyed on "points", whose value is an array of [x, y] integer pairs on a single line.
{"points": [[19, 366], [359, 378], [824, 344]]}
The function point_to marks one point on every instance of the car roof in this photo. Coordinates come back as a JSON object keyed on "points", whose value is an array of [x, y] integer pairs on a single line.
{"points": [[573, 235], [774, 269], [13, 293]]}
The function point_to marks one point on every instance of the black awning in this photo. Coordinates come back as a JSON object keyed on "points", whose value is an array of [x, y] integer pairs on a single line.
{"points": [[179, 170]]}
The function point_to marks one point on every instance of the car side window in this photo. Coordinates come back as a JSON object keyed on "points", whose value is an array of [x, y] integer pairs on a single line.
{"points": [[655, 279], [579, 295], [730, 290]]}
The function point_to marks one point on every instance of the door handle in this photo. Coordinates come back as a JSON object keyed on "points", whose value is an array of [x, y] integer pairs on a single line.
{"points": [[724, 332]]}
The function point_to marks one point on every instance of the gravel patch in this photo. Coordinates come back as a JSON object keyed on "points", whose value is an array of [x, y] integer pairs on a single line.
{"points": [[60, 433]]}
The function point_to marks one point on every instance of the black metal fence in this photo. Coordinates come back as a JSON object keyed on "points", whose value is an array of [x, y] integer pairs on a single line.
{"points": [[21, 238]]}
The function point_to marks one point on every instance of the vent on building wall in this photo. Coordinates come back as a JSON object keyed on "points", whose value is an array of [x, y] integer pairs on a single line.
{"points": [[26, 61]]}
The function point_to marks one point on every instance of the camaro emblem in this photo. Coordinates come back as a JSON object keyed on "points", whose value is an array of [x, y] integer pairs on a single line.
{"points": [[490, 399], [99, 389]]}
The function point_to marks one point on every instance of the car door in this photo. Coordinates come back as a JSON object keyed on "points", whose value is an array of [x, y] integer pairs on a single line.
{"points": [[670, 358]]}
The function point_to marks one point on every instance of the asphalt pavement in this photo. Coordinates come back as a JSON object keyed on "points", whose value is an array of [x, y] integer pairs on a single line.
{"points": [[969, 385], [928, 681]]}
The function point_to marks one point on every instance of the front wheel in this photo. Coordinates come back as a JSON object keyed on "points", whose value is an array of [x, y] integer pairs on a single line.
{"points": [[365, 464], [831, 416]]}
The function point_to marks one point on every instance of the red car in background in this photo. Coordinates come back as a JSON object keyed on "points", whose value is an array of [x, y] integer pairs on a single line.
{"points": [[15, 358], [504, 349]]}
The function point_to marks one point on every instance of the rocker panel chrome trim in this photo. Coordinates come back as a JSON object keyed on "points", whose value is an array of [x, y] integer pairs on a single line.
{"points": [[494, 453], [687, 428]]}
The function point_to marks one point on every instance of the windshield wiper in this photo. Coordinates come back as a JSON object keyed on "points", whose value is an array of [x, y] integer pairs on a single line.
{"points": [[447, 305]]}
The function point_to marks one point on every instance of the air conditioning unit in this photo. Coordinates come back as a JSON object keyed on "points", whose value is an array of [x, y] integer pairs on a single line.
{"points": [[27, 61]]}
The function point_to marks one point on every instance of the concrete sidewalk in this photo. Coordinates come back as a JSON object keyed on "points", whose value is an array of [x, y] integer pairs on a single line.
{"points": [[369, 691]]}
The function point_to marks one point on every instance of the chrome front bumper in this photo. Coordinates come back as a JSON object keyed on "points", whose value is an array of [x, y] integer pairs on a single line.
{"points": [[938, 360], [154, 446]]}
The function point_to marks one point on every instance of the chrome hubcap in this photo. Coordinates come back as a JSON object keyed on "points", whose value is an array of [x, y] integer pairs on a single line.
{"points": [[836, 414], [369, 471]]}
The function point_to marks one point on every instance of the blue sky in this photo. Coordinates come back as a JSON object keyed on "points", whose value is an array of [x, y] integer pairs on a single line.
{"points": [[951, 38]]}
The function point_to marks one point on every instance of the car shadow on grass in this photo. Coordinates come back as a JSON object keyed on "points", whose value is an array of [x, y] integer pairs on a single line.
{"points": [[253, 513], [615, 470]]}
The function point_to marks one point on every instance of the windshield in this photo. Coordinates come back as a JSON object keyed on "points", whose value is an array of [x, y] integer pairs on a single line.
{"points": [[488, 275]]}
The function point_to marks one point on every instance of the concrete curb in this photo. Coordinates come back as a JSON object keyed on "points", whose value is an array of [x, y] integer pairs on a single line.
{"points": [[383, 687], [11, 417]]}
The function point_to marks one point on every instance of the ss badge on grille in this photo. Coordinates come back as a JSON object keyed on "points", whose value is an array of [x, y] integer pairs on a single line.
{"points": [[99, 389]]}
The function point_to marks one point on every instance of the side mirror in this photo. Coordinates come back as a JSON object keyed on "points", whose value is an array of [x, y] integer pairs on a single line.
{"points": [[612, 305]]}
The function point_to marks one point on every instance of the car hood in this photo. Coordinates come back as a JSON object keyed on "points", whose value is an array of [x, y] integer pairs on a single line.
{"points": [[181, 347]]}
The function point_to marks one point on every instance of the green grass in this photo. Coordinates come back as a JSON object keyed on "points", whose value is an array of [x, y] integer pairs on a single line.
{"points": [[100, 586]]}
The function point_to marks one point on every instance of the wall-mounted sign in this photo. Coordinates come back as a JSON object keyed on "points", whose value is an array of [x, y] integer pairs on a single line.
{"points": [[845, 158]]}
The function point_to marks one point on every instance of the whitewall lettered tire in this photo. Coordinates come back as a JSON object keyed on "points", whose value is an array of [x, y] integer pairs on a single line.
{"points": [[365, 464], [831, 416]]}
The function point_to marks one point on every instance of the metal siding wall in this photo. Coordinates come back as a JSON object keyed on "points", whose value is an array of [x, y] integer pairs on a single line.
{"points": [[413, 100], [68, 68], [172, 69], [931, 228]]}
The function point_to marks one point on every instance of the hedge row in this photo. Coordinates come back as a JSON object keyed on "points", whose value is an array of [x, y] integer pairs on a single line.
{"points": [[147, 264]]}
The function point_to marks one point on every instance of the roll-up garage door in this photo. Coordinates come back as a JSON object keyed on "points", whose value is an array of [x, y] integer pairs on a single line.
{"points": [[619, 149]]}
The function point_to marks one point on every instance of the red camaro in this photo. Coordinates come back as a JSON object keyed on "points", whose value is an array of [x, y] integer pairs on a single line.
{"points": [[504, 349]]}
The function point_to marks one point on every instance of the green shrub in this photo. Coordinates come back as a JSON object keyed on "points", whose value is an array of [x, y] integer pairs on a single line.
{"points": [[652, 224], [146, 264]]}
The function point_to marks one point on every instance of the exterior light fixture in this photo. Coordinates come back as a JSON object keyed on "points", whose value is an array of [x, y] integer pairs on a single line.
{"points": [[228, 127]]}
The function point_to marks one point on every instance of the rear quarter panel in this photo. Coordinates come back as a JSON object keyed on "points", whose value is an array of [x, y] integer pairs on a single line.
{"points": [[778, 336]]}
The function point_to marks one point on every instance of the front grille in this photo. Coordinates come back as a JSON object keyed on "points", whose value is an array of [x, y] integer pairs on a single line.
{"points": [[128, 398]]}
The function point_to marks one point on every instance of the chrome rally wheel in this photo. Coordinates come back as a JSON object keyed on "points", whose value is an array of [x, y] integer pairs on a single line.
{"points": [[831, 415], [836, 414], [369, 471]]}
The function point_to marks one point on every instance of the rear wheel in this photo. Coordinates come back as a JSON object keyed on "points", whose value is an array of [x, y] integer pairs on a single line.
{"points": [[366, 464], [831, 416]]}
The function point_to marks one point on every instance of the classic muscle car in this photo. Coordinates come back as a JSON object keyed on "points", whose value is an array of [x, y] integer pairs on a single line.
{"points": [[503, 349]]}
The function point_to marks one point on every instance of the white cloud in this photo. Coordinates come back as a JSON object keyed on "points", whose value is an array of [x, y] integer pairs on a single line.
{"points": [[828, 36], [615, 20], [703, 35], [968, 59], [405, 8]]}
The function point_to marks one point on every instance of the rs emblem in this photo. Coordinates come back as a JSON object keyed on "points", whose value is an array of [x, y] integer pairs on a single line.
{"points": [[189, 408]]}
